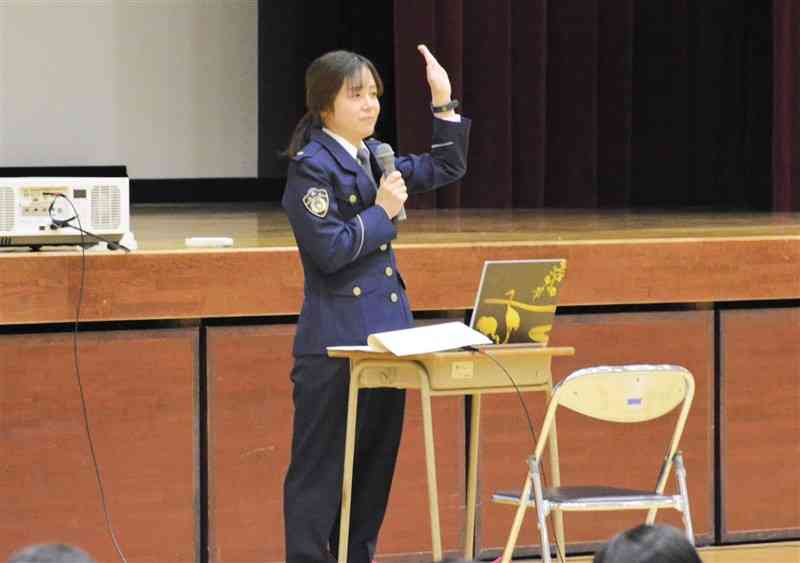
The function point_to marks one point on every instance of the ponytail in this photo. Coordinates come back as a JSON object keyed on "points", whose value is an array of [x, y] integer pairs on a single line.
{"points": [[302, 133]]}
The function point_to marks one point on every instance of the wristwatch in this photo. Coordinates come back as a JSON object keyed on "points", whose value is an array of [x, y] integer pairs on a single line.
{"points": [[452, 104]]}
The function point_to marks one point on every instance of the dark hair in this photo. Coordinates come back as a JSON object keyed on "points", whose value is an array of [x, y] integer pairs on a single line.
{"points": [[648, 544], [50, 553], [324, 79]]}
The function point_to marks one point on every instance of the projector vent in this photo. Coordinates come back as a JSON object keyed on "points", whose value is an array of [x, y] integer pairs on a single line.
{"points": [[6, 208], [105, 207]]}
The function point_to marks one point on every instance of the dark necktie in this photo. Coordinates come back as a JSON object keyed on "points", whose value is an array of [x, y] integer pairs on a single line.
{"points": [[363, 160]]}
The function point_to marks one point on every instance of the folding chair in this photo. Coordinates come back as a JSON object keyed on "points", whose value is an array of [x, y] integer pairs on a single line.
{"points": [[628, 394]]}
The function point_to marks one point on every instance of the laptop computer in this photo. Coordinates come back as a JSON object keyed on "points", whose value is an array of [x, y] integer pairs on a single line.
{"points": [[516, 300]]}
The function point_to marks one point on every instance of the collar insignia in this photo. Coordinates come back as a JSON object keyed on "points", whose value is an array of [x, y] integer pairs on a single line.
{"points": [[316, 201]]}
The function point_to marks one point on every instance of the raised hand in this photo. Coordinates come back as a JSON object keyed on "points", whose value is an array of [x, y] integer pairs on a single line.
{"points": [[437, 78]]}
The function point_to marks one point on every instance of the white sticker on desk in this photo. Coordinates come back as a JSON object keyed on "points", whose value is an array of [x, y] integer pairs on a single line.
{"points": [[462, 370]]}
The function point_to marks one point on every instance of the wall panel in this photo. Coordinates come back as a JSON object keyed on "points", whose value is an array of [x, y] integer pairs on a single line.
{"points": [[760, 423], [250, 429], [140, 389]]}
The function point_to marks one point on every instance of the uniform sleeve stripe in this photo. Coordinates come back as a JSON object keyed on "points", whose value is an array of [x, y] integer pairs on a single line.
{"points": [[363, 236], [442, 145]]}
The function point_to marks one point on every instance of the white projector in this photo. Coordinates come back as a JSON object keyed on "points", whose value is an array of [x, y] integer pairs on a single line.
{"points": [[29, 205]]}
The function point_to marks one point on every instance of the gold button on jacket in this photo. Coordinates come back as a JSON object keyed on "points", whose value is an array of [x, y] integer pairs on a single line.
{"points": [[356, 291]]}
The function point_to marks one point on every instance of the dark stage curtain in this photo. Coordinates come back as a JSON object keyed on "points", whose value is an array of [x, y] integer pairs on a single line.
{"points": [[598, 104], [293, 33], [786, 135]]}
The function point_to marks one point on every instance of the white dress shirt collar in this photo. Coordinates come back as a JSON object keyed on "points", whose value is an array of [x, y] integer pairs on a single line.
{"points": [[348, 146]]}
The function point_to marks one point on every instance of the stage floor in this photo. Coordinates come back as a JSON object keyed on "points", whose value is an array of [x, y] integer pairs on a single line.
{"points": [[784, 552], [164, 227]]}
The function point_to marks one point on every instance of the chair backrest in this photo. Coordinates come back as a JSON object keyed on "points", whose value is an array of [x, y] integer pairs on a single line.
{"points": [[624, 393], [627, 393]]}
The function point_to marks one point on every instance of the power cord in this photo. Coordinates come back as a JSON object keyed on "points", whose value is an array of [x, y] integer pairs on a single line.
{"points": [[67, 223], [483, 352], [84, 410]]}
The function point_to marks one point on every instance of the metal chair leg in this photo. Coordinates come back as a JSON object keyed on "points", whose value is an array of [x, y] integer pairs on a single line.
{"points": [[680, 472], [555, 481], [541, 509]]}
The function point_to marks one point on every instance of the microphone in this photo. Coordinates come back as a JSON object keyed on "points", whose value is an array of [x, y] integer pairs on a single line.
{"points": [[385, 156]]}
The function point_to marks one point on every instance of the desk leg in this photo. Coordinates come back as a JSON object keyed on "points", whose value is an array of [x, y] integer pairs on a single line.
{"points": [[555, 478], [430, 463], [347, 476], [472, 477]]}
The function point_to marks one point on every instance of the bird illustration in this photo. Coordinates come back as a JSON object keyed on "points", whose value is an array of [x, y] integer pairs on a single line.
{"points": [[512, 317]]}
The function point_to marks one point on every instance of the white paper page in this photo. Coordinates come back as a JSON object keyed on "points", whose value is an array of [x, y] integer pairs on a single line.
{"points": [[361, 348], [431, 338]]}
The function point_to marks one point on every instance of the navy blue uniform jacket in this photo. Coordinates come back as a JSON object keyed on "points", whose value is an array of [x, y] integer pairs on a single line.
{"points": [[352, 285]]}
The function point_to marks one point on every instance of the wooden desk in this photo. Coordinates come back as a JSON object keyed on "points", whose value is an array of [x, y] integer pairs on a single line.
{"points": [[438, 374]]}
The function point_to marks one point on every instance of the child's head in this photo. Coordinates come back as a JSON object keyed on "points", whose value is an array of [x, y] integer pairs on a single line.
{"points": [[648, 544]]}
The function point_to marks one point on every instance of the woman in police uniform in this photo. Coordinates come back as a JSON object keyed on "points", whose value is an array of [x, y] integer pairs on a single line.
{"points": [[344, 225]]}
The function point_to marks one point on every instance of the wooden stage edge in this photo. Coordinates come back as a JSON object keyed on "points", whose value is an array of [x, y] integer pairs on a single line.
{"points": [[784, 552], [613, 258], [781, 552]]}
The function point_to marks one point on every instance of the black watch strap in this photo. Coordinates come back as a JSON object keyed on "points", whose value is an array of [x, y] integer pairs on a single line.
{"points": [[452, 104]]}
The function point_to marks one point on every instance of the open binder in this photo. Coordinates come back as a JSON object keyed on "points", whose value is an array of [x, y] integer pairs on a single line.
{"points": [[421, 340]]}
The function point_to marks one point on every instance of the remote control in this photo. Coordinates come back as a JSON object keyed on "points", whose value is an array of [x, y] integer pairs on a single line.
{"points": [[208, 242]]}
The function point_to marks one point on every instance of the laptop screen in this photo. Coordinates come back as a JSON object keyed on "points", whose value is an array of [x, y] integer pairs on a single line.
{"points": [[516, 300]]}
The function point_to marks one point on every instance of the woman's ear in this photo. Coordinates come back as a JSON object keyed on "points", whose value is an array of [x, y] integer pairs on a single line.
{"points": [[324, 117]]}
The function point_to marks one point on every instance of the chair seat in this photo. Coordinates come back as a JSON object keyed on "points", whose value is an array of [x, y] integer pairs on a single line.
{"points": [[591, 495]]}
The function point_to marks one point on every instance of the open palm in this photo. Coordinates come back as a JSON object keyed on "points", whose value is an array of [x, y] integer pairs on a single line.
{"points": [[437, 78]]}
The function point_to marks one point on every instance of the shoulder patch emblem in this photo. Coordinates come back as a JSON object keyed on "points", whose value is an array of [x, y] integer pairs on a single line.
{"points": [[316, 201]]}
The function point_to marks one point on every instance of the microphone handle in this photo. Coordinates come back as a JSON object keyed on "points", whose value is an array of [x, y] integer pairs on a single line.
{"points": [[388, 169]]}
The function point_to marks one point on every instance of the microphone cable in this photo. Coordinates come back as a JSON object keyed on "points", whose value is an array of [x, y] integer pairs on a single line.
{"points": [[77, 371], [483, 352]]}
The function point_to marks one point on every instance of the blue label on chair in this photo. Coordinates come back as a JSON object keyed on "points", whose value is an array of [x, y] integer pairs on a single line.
{"points": [[635, 402]]}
